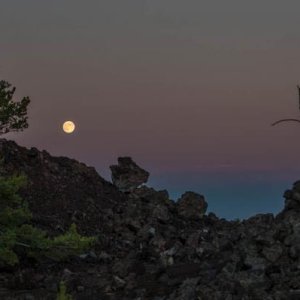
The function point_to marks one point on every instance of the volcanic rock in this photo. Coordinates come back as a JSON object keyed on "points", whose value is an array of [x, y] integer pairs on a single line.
{"points": [[148, 246], [127, 175], [191, 205], [60, 190]]}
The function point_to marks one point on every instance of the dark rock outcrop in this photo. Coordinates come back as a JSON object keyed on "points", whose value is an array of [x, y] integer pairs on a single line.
{"points": [[191, 205], [127, 175], [149, 247], [60, 190]]}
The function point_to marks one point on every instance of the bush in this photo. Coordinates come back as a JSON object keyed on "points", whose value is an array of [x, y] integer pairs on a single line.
{"points": [[62, 293], [18, 237]]}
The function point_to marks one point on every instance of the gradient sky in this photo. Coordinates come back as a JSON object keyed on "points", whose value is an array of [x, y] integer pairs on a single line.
{"points": [[187, 88]]}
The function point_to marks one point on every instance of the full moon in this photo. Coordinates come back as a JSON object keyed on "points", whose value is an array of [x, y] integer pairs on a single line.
{"points": [[68, 127]]}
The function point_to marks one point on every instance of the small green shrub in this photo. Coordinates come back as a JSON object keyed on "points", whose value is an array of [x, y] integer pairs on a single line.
{"points": [[62, 292], [18, 237], [71, 243]]}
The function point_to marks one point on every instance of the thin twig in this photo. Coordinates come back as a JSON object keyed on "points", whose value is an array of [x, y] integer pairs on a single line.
{"points": [[22, 244], [299, 94]]}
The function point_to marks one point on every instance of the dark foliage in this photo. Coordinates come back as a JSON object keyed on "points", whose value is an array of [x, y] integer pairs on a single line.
{"points": [[13, 115]]}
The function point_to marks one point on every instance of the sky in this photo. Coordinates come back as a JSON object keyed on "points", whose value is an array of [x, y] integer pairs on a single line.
{"points": [[188, 89]]}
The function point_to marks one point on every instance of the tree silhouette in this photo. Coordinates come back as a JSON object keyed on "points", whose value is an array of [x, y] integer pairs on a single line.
{"points": [[13, 115]]}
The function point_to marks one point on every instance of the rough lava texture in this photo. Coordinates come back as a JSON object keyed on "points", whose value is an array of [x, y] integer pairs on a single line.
{"points": [[127, 175], [60, 190], [191, 205], [149, 247]]}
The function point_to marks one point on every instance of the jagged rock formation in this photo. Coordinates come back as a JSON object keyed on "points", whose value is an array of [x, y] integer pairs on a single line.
{"points": [[192, 205], [149, 247], [127, 175], [60, 190]]}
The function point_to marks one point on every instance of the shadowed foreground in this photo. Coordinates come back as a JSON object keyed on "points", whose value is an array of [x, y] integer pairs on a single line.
{"points": [[148, 247]]}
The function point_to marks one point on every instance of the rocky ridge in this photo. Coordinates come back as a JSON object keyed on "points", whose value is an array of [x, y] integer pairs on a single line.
{"points": [[149, 247]]}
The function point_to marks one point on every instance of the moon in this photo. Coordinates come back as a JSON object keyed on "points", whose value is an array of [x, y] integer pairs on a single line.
{"points": [[68, 127]]}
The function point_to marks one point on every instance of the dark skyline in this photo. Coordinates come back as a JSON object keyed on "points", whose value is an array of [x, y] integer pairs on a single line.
{"points": [[188, 89]]}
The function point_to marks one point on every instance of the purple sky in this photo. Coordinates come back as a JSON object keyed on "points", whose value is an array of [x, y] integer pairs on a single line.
{"points": [[187, 88]]}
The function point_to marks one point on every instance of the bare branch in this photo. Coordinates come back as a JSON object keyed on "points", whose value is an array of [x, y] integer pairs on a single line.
{"points": [[285, 120], [298, 87], [22, 244]]}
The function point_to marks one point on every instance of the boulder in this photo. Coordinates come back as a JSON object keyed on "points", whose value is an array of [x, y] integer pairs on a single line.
{"points": [[191, 205], [127, 175], [292, 197]]}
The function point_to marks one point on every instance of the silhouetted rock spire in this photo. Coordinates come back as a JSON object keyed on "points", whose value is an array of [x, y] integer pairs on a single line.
{"points": [[127, 175], [191, 205]]}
